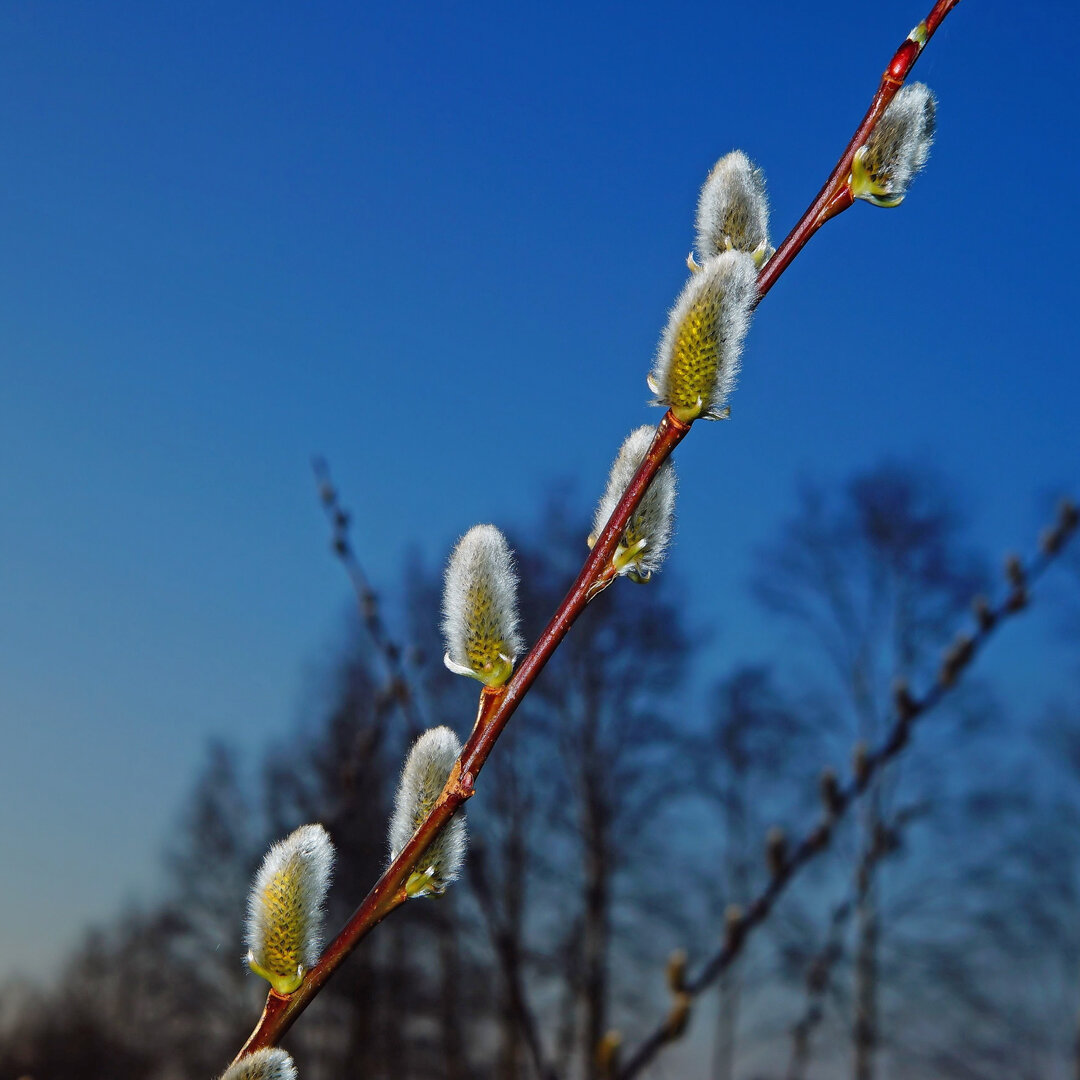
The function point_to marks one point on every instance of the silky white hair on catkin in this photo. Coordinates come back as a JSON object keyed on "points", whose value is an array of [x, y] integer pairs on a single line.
{"points": [[699, 351], [898, 147], [654, 517], [480, 616], [269, 1064], [733, 210], [286, 906], [423, 777]]}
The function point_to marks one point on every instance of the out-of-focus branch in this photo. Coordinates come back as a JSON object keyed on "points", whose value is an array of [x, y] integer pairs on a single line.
{"points": [[398, 688], [907, 709], [885, 842]]}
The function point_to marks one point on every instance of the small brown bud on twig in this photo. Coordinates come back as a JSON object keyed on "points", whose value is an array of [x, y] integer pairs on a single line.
{"points": [[860, 762], [676, 971], [906, 706], [1068, 515], [1014, 572], [984, 613], [956, 658], [829, 786], [733, 924], [607, 1054], [679, 1016], [776, 850], [1051, 539]]}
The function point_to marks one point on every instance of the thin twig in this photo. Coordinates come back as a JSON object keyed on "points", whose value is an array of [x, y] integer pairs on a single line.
{"points": [[498, 705], [367, 600], [819, 970], [909, 709]]}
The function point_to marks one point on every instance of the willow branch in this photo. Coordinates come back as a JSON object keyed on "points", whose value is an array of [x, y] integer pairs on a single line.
{"points": [[402, 692], [907, 710], [835, 194], [498, 705]]}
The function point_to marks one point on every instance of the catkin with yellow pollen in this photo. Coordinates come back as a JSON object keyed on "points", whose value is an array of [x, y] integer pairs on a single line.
{"points": [[697, 361], [285, 907], [480, 607]]}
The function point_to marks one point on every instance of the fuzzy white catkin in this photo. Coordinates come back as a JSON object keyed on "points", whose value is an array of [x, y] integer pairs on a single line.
{"points": [[286, 906], [697, 361], [480, 617], [897, 148], [423, 777], [653, 519], [733, 211], [269, 1064]]}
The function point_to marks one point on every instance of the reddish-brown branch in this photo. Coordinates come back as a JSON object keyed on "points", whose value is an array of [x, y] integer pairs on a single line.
{"points": [[496, 707], [816, 840], [402, 692], [835, 195]]}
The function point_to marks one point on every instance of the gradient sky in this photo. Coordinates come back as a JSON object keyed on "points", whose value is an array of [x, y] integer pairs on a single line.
{"points": [[437, 244]]}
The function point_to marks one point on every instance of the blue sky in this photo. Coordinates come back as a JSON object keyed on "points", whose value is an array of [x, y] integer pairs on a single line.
{"points": [[437, 245]]}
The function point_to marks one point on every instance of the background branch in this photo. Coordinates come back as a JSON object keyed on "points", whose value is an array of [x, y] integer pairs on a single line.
{"points": [[868, 765]]}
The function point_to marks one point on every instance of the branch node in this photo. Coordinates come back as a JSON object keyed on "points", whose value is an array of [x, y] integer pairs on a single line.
{"points": [[831, 799], [776, 850], [860, 763]]}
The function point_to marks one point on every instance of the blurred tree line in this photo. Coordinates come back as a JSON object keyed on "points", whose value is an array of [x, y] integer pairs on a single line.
{"points": [[937, 937]]}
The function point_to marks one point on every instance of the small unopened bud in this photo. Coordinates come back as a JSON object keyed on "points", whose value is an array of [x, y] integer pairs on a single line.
{"points": [[1014, 572], [906, 706], [679, 1017], [645, 539], [829, 787], [607, 1054], [1053, 538], [860, 762], [675, 972], [285, 907], [733, 211], [269, 1064], [956, 658], [984, 613], [697, 361], [897, 148], [776, 850], [480, 619], [1068, 515], [423, 777], [733, 923]]}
